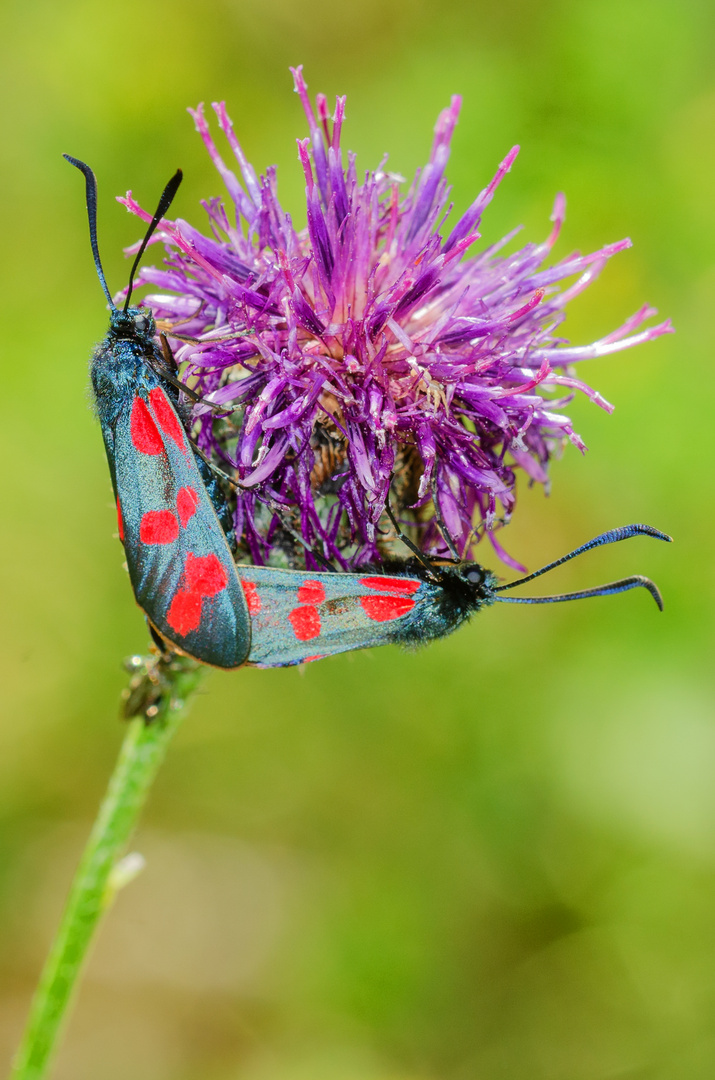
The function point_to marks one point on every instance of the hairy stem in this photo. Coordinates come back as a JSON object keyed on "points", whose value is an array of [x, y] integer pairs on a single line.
{"points": [[156, 697]]}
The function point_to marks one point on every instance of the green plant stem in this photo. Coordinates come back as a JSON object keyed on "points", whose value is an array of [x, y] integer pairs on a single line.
{"points": [[158, 691]]}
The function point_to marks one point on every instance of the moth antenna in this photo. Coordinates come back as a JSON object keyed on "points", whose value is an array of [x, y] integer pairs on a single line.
{"points": [[634, 582], [613, 536], [91, 195], [167, 197]]}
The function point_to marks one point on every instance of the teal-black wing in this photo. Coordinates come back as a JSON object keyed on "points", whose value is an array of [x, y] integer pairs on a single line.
{"points": [[297, 616], [181, 567]]}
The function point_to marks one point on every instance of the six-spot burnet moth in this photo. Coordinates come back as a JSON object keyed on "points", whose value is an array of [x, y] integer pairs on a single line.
{"points": [[175, 526], [298, 617], [179, 560]]}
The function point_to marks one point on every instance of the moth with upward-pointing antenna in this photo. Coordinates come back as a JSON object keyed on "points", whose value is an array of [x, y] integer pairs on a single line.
{"points": [[178, 555], [176, 529]]}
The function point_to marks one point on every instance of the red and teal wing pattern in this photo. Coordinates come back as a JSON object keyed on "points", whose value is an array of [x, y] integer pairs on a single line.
{"points": [[297, 617], [180, 564]]}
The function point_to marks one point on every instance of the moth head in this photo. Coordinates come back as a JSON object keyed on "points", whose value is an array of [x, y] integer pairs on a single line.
{"points": [[480, 581], [132, 324]]}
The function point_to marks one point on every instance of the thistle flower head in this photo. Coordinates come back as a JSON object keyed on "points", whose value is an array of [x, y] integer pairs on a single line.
{"points": [[376, 352]]}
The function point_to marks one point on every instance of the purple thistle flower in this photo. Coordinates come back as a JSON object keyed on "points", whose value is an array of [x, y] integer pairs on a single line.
{"points": [[363, 355]]}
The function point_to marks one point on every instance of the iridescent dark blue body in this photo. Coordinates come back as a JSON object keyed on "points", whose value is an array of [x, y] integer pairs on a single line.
{"points": [[179, 559]]}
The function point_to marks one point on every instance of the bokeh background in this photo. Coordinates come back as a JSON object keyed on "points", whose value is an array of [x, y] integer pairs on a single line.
{"points": [[491, 859]]}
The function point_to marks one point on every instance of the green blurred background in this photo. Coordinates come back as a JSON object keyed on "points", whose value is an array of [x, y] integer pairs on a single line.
{"points": [[492, 859]]}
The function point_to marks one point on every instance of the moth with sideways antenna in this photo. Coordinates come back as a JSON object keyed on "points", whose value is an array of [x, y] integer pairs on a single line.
{"points": [[298, 617]]}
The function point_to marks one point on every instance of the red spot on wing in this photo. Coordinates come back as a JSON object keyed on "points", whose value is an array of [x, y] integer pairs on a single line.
{"points": [[385, 608], [305, 622], [166, 417], [187, 502], [120, 520], [253, 600], [310, 659], [144, 432], [395, 585], [205, 576], [311, 592], [158, 527], [184, 614]]}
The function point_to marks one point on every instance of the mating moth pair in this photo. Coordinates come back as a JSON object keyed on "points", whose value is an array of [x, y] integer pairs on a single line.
{"points": [[176, 530]]}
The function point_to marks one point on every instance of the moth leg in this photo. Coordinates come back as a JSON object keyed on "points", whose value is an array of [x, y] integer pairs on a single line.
{"points": [[419, 555], [170, 374], [317, 555], [158, 641], [167, 327], [168, 355]]}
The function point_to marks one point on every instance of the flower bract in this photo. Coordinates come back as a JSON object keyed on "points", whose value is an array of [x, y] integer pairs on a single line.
{"points": [[377, 352]]}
